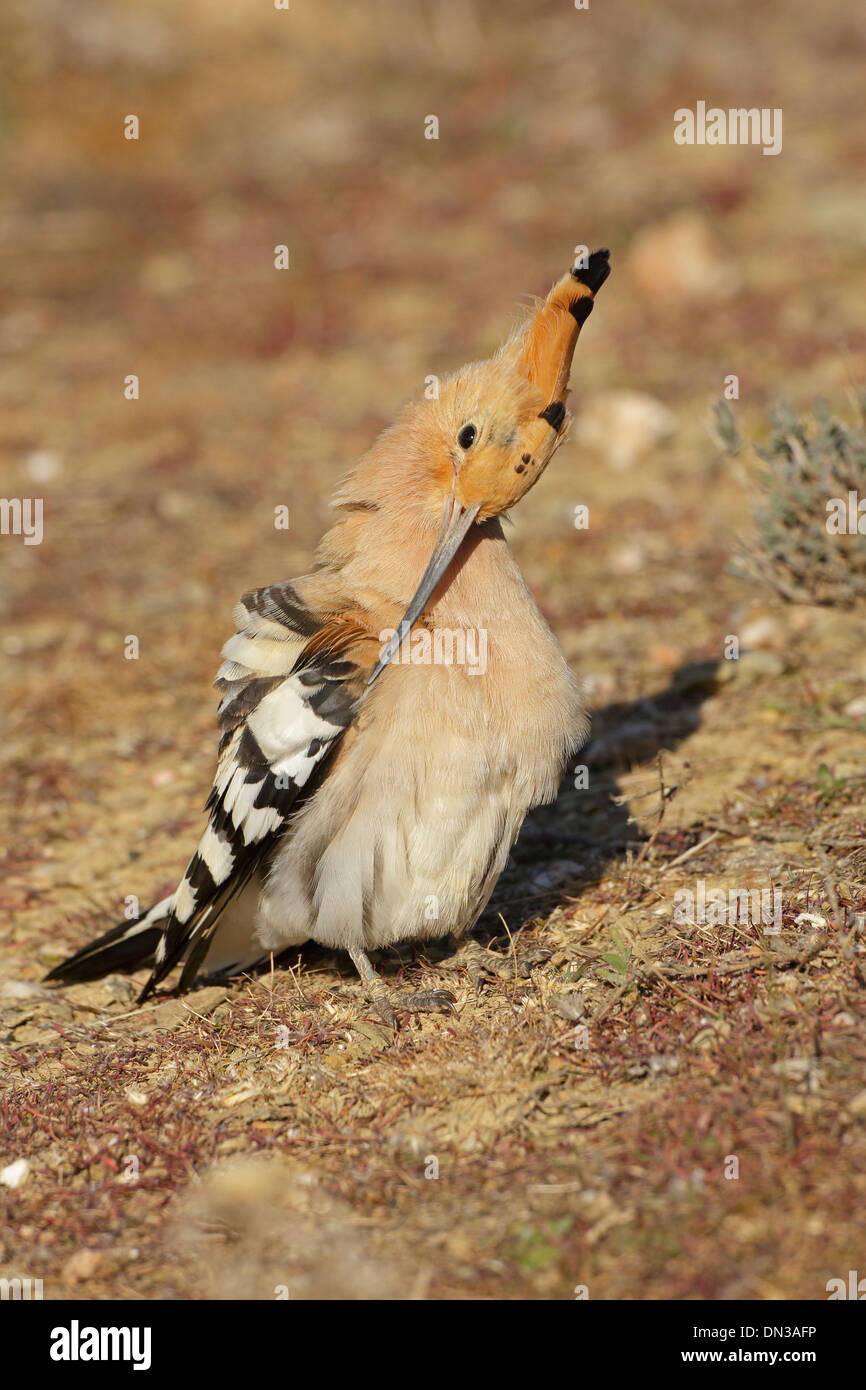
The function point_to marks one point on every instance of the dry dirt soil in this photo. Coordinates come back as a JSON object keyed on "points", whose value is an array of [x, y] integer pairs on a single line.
{"points": [[634, 1106]]}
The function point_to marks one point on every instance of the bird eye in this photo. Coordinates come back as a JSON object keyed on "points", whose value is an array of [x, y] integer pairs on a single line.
{"points": [[466, 437]]}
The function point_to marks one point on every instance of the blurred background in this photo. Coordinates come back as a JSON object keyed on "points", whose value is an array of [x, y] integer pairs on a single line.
{"points": [[306, 128], [408, 256]]}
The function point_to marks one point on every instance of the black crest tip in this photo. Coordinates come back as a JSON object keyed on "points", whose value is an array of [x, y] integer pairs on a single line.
{"points": [[594, 274]]}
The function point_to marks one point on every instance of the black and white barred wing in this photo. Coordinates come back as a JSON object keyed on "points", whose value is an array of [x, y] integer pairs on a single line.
{"points": [[288, 696]]}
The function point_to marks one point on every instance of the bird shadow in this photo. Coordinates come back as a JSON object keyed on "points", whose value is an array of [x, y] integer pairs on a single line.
{"points": [[572, 843]]}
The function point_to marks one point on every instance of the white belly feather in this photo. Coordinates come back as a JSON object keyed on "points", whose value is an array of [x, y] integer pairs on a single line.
{"points": [[411, 828]]}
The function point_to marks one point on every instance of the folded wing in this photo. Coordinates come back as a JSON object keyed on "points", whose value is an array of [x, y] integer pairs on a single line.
{"points": [[290, 688]]}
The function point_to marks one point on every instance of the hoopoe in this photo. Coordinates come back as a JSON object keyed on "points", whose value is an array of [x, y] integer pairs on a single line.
{"points": [[360, 801]]}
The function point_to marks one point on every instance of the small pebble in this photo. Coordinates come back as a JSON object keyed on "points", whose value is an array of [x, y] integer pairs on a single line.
{"points": [[14, 1174]]}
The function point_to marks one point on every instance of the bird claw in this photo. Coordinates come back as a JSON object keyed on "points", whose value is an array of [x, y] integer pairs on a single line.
{"points": [[423, 1001], [479, 962], [427, 1001], [478, 971], [383, 1008]]}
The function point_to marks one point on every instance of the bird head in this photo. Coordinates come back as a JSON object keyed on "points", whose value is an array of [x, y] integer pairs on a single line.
{"points": [[496, 425], [500, 422]]}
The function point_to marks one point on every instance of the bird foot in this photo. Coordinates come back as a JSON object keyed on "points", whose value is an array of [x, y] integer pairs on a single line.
{"points": [[385, 1003], [478, 962], [427, 1001]]}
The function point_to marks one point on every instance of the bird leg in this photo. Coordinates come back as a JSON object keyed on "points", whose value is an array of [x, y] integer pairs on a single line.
{"points": [[422, 1001]]}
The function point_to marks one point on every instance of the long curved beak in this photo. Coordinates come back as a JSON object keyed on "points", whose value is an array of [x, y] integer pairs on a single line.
{"points": [[456, 521]]}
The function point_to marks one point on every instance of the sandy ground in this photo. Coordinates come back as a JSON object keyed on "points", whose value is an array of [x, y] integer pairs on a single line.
{"points": [[704, 1136]]}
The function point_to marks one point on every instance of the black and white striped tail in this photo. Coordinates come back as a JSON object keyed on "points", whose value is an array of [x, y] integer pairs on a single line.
{"points": [[286, 702], [128, 946]]}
